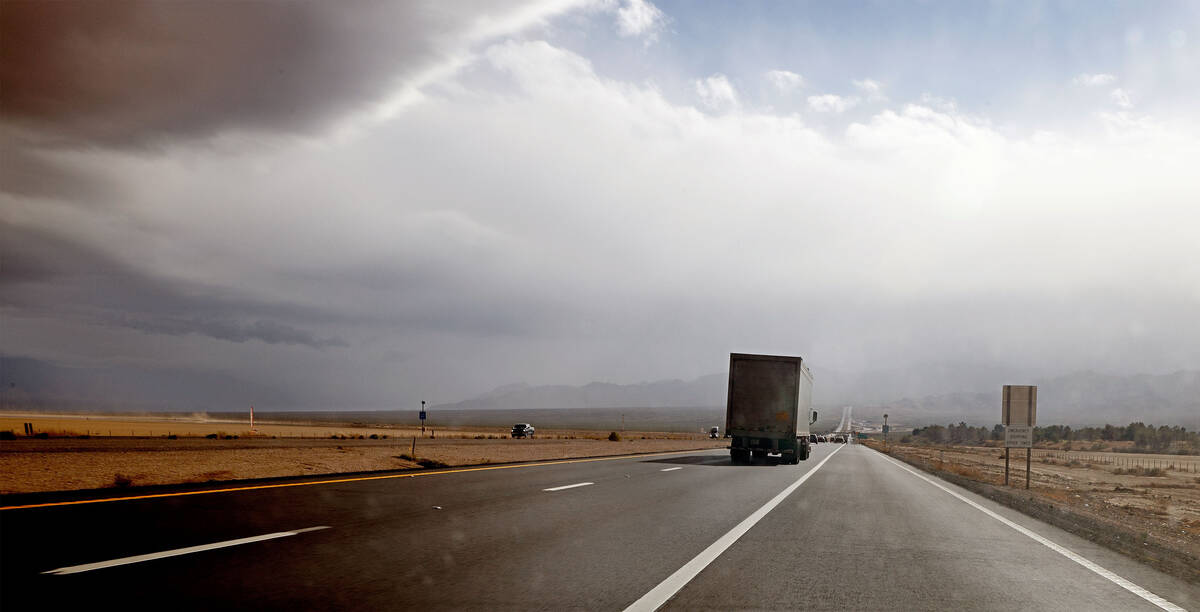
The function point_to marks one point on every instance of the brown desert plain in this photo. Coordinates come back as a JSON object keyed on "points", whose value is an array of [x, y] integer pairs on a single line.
{"points": [[98, 451]]}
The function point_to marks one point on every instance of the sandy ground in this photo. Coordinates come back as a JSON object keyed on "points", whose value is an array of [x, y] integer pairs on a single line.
{"points": [[1164, 507], [31, 465], [200, 426]]}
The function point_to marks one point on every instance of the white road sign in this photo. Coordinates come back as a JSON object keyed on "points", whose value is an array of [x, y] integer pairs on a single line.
{"points": [[1018, 436]]}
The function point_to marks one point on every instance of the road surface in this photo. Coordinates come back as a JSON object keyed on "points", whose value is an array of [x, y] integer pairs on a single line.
{"points": [[847, 529], [844, 426]]}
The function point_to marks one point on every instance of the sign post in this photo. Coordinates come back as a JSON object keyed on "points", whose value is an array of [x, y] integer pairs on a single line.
{"points": [[1019, 415], [886, 429], [422, 416]]}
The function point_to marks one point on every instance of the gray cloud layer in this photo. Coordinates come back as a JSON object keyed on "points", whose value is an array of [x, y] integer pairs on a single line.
{"points": [[215, 186], [47, 275]]}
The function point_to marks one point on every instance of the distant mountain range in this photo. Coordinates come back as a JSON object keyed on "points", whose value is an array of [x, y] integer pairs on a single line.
{"points": [[704, 391], [915, 395], [1082, 398]]}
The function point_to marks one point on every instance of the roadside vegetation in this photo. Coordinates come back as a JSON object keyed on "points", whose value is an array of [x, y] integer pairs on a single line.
{"points": [[1132, 438]]}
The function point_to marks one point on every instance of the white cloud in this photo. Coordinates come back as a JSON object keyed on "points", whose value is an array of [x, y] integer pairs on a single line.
{"points": [[921, 127], [784, 81], [457, 54], [640, 18], [1094, 80], [717, 92], [1120, 97], [948, 105], [871, 88], [832, 103]]}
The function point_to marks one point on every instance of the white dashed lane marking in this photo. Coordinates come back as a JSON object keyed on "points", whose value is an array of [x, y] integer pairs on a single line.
{"points": [[668, 588], [570, 486], [87, 567]]}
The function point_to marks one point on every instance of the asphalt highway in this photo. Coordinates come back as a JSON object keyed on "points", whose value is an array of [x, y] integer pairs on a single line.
{"points": [[844, 425], [847, 529]]}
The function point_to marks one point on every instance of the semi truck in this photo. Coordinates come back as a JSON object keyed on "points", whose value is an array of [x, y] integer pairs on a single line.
{"points": [[769, 407]]}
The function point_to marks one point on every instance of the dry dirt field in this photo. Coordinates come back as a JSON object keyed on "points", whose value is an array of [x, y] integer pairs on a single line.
{"points": [[60, 463], [63, 425], [1158, 506]]}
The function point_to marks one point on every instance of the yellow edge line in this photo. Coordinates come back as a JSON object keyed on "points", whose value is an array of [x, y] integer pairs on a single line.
{"points": [[339, 480]]}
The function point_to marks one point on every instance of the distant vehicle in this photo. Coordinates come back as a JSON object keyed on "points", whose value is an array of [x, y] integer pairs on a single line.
{"points": [[813, 439], [769, 408], [522, 430], [714, 432], [840, 439], [821, 439]]}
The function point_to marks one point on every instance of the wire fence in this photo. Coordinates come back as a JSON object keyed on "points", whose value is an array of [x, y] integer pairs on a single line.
{"points": [[1179, 464]]}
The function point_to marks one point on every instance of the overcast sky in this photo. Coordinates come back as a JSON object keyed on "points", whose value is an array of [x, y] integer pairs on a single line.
{"points": [[369, 203]]}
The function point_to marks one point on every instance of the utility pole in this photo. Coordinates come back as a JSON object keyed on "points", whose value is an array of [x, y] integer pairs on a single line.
{"points": [[1028, 459]]}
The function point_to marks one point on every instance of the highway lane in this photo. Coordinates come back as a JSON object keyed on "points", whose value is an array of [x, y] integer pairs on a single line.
{"points": [[872, 535], [844, 425], [859, 533], [481, 539]]}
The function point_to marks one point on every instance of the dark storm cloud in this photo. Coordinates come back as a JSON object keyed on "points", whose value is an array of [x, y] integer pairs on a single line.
{"points": [[29, 256], [27, 172], [135, 73], [47, 275], [271, 332], [442, 296]]}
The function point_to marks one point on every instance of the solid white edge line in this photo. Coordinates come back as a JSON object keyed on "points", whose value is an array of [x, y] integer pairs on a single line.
{"points": [[87, 567], [667, 589], [670, 469], [1119, 581], [570, 486]]}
